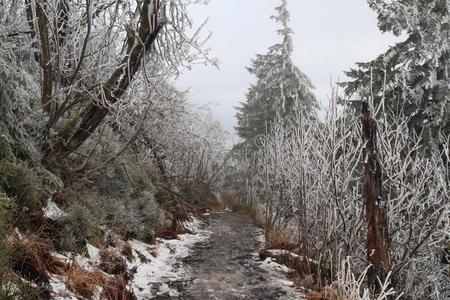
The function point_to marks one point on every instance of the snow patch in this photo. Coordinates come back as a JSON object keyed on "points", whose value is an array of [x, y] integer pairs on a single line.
{"points": [[94, 253], [60, 290], [52, 211], [270, 264], [156, 265], [166, 266], [260, 237]]}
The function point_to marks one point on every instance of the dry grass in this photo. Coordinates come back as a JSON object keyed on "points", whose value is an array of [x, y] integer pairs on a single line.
{"points": [[32, 258], [127, 250], [116, 289], [281, 239], [314, 295], [171, 250], [153, 252], [171, 232], [34, 261], [112, 263], [83, 283], [142, 257], [306, 273]]}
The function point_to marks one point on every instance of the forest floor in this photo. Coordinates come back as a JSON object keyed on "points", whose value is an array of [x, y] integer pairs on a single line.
{"points": [[226, 265]]}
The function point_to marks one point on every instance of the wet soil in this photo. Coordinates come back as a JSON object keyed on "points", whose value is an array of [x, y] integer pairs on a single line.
{"points": [[226, 266]]}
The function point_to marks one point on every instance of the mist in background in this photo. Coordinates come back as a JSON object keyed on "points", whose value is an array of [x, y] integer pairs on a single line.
{"points": [[329, 37]]}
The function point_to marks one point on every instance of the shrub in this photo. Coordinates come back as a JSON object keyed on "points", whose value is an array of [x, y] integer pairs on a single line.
{"points": [[25, 151], [127, 250], [135, 217], [147, 234], [5, 148], [140, 180], [149, 212], [4, 250], [200, 194], [21, 184], [79, 224], [8, 288], [49, 180]]}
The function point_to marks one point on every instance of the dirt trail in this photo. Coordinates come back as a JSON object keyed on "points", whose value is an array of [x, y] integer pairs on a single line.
{"points": [[226, 265]]}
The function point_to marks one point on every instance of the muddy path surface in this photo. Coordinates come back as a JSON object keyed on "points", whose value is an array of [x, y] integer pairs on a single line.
{"points": [[226, 266]]}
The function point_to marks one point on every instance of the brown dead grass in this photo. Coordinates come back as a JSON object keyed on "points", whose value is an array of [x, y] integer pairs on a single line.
{"points": [[172, 232], [142, 257], [34, 261], [127, 250], [314, 295], [111, 262], [32, 258], [281, 239], [83, 283], [153, 252], [116, 289], [171, 249], [306, 273]]}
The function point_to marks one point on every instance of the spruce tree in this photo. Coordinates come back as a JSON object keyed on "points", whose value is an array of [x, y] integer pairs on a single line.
{"points": [[280, 86], [411, 75]]}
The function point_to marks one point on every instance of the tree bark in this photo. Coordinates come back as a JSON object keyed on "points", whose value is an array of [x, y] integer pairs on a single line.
{"points": [[78, 129], [45, 56], [377, 229]]}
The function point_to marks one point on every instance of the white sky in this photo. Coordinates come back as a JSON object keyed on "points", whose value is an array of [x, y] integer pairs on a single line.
{"points": [[329, 37]]}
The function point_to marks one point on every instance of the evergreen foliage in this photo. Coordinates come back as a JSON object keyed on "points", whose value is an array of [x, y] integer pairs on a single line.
{"points": [[412, 75], [280, 86]]}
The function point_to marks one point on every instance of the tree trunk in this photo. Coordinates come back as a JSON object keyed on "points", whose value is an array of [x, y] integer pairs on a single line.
{"points": [[45, 56], [78, 129], [377, 229]]}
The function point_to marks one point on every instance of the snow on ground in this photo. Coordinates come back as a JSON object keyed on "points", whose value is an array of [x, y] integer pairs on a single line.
{"points": [[60, 290], [52, 211], [166, 266], [163, 264], [277, 271], [260, 237]]}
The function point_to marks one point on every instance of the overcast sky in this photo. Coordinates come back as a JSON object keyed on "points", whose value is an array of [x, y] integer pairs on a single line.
{"points": [[329, 37]]}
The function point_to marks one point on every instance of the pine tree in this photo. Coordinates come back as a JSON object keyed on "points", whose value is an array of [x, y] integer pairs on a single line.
{"points": [[280, 86], [413, 74]]}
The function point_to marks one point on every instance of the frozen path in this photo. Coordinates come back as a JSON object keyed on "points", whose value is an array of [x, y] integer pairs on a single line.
{"points": [[226, 266]]}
